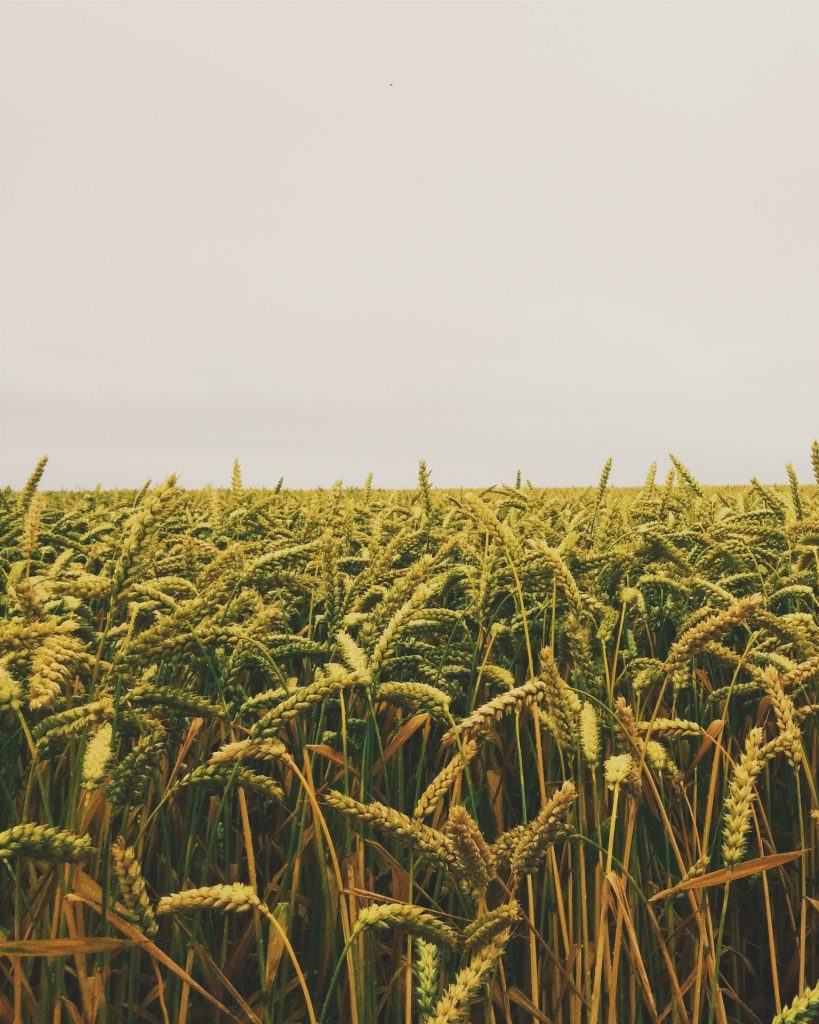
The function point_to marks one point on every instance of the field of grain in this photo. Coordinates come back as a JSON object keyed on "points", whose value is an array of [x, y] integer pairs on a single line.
{"points": [[360, 756]]}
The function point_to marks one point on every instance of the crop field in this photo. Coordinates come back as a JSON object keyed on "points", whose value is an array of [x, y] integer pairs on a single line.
{"points": [[358, 756]]}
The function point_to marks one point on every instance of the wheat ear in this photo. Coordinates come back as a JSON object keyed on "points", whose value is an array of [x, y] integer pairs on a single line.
{"points": [[427, 842], [235, 899], [427, 968], [541, 833], [490, 924], [804, 1008], [486, 715], [454, 1004], [739, 802], [433, 796], [414, 920], [43, 842], [132, 887]]}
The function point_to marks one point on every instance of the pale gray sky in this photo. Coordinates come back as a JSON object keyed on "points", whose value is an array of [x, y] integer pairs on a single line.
{"points": [[334, 238]]}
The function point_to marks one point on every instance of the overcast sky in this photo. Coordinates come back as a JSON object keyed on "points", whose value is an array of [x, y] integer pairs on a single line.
{"points": [[329, 239]]}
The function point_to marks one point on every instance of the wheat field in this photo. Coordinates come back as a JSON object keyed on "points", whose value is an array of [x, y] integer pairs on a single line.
{"points": [[361, 756]]}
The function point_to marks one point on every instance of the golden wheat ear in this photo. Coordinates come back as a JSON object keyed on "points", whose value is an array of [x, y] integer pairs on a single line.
{"points": [[739, 801], [413, 920], [233, 899], [132, 887], [524, 696], [428, 843], [43, 842], [471, 848], [31, 485], [536, 837], [97, 757], [433, 796], [455, 1002], [804, 1008], [11, 691], [589, 725], [491, 924]]}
